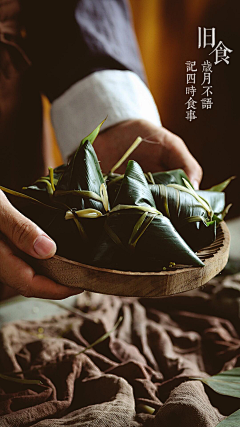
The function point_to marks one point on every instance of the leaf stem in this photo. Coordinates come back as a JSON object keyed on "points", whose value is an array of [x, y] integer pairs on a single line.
{"points": [[102, 338], [127, 154], [51, 176], [19, 380]]}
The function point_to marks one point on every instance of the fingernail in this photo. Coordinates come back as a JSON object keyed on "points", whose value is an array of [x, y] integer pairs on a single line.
{"points": [[195, 185], [44, 246]]}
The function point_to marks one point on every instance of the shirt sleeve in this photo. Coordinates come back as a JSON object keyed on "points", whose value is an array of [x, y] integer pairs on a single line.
{"points": [[117, 95], [67, 40], [87, 61]]}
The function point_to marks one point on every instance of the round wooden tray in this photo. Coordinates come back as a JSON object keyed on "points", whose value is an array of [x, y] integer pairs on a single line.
{"points": [[127, 283]]}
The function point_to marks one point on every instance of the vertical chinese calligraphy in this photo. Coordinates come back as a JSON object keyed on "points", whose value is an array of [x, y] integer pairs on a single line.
{"points": [[191, 71], [206, 37], [207, 71]]}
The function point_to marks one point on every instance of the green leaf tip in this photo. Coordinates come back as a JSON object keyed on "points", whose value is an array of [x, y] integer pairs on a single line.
{"points": [[19, 380], [102, 338], [93, 135], [221, 187]]}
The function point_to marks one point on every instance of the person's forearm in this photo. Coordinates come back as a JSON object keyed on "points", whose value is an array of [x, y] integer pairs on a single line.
{"points": [[87, 61], [73, 46], [117, 95]]}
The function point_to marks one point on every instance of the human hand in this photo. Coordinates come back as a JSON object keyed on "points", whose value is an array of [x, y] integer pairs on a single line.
{"points": [[18, 232], [167, 151]]}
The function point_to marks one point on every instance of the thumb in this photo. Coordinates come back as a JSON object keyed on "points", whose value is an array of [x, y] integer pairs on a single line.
{"points": [[23, 233], [194, 172], [178, 156]]}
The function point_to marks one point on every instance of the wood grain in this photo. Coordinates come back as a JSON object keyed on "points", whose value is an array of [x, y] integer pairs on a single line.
{"points": [[114, 282]]}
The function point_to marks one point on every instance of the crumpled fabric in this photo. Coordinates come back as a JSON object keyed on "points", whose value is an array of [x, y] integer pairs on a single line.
{"points": [[141, 375]]}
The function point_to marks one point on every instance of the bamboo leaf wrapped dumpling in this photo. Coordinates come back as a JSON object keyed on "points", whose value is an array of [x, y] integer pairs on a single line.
{"points": [[194, 217], [75, 187], [43, 188], [168, 177], [136, 232], [81, 189], [179, 206], [80, 184], [76, 184]]}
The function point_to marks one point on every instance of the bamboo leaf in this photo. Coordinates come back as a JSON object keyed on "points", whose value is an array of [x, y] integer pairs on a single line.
{"points": [[214, 198], [26, 197], [145, 225], [222, 185], [43, 188], [73, 187], [149, 177], [81, 193], [80, 229], [227, 382], [232, 421], [112, 178], [51, 220], [113, 182], [200, 199], [154, 238], [134, 189], [162, 241], [93, 135], [225, 212], [140, 227], [170, 177], [187, 215], [82, 174]]}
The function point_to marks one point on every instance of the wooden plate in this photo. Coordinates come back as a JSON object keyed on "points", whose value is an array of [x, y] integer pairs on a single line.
{"points": [[127, 283]]}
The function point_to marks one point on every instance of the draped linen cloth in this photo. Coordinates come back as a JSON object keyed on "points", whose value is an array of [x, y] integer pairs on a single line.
{"points": [[139, 376]]}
